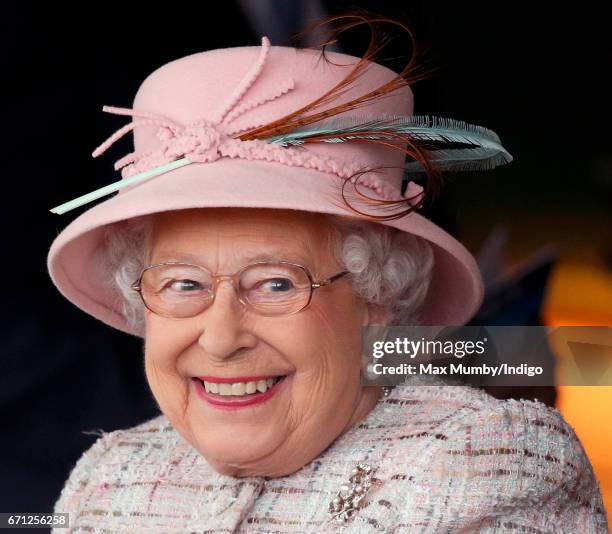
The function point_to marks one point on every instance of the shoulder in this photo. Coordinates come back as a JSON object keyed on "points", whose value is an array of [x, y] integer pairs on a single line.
{"points": [[110, 448], [153, 429], [518, 433], [477, 462], [474, 424], [520, 460]]}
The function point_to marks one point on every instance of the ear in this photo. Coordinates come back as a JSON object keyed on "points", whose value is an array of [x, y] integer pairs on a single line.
{"points": [[375, 315]]}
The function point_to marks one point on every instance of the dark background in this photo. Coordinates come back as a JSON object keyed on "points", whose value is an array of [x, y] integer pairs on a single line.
{"points": [[539, 77]]}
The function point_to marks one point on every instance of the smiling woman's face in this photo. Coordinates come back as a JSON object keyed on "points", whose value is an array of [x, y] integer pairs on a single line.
{"points": [[316, 350]]}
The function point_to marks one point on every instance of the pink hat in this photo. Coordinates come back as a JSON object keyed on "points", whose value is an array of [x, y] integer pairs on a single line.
{"points": [[206, 134]]}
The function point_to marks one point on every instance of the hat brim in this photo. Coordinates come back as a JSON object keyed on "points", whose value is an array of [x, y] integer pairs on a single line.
{"points": [[73, 261]]}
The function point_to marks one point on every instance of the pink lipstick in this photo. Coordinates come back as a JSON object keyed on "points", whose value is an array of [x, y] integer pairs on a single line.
{"points": [[243, 400]]}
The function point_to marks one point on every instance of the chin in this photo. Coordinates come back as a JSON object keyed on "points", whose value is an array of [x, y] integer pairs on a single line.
{"points": [[235, 448]]}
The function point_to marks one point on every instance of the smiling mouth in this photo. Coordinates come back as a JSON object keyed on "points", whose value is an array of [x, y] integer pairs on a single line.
{"points": [[224, 388]]}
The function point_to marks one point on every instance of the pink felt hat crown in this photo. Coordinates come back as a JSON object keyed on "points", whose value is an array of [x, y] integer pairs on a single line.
{"points": [[188, 117]]}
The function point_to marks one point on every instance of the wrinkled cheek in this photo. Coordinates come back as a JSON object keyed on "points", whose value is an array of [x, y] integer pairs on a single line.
{"points": [[161, 367], [338, 331], [163, 343], [168, 387], [163, 346]]}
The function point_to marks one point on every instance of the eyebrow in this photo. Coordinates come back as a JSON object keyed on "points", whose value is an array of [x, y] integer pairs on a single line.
{"points": [[263, 256]]}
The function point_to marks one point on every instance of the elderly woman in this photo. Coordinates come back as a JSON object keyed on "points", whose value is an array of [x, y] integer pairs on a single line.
{"points": [[228, 249]]}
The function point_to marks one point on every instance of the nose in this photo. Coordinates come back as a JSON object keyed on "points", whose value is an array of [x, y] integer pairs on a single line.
{"points": [[223, 332]]}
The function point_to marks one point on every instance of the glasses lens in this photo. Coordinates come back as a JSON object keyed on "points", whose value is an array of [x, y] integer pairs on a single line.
{"points": [[275, 289], [176, 290]]}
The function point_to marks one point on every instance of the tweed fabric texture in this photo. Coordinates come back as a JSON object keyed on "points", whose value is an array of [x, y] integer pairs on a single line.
{"points": [[450, 459]]}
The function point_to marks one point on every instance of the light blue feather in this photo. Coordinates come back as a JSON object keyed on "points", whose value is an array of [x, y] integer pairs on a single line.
{"points": [[485, 153]]}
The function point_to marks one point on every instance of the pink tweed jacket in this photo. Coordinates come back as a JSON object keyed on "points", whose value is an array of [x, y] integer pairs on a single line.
{"points": [[449, 459]]}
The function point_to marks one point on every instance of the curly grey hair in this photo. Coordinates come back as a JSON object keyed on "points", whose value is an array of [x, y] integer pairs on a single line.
{"points": [[390, 268]]}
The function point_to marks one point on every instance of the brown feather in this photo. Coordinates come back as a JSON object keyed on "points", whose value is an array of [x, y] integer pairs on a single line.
{"points": [[297, 119], [412, 72]]}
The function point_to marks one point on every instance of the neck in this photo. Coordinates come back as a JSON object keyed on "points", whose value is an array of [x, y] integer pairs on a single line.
{"points": [[365, 404]]}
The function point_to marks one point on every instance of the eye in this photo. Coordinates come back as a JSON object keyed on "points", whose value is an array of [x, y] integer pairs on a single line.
{"points": [[272, 290], [276, 285], [184, 286]]}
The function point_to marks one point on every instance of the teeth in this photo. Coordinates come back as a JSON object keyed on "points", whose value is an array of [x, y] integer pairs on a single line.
{"points": [[225, 389], [239, 389]]}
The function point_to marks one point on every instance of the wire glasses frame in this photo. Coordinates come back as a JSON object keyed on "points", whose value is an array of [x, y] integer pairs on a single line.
{"points": [[235, 281]]}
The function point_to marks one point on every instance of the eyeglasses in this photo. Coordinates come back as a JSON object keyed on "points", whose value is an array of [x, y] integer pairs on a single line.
{"points": [[182, 290]]}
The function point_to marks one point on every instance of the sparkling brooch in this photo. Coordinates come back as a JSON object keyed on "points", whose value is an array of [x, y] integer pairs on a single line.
{"points": [[350, 497]]}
